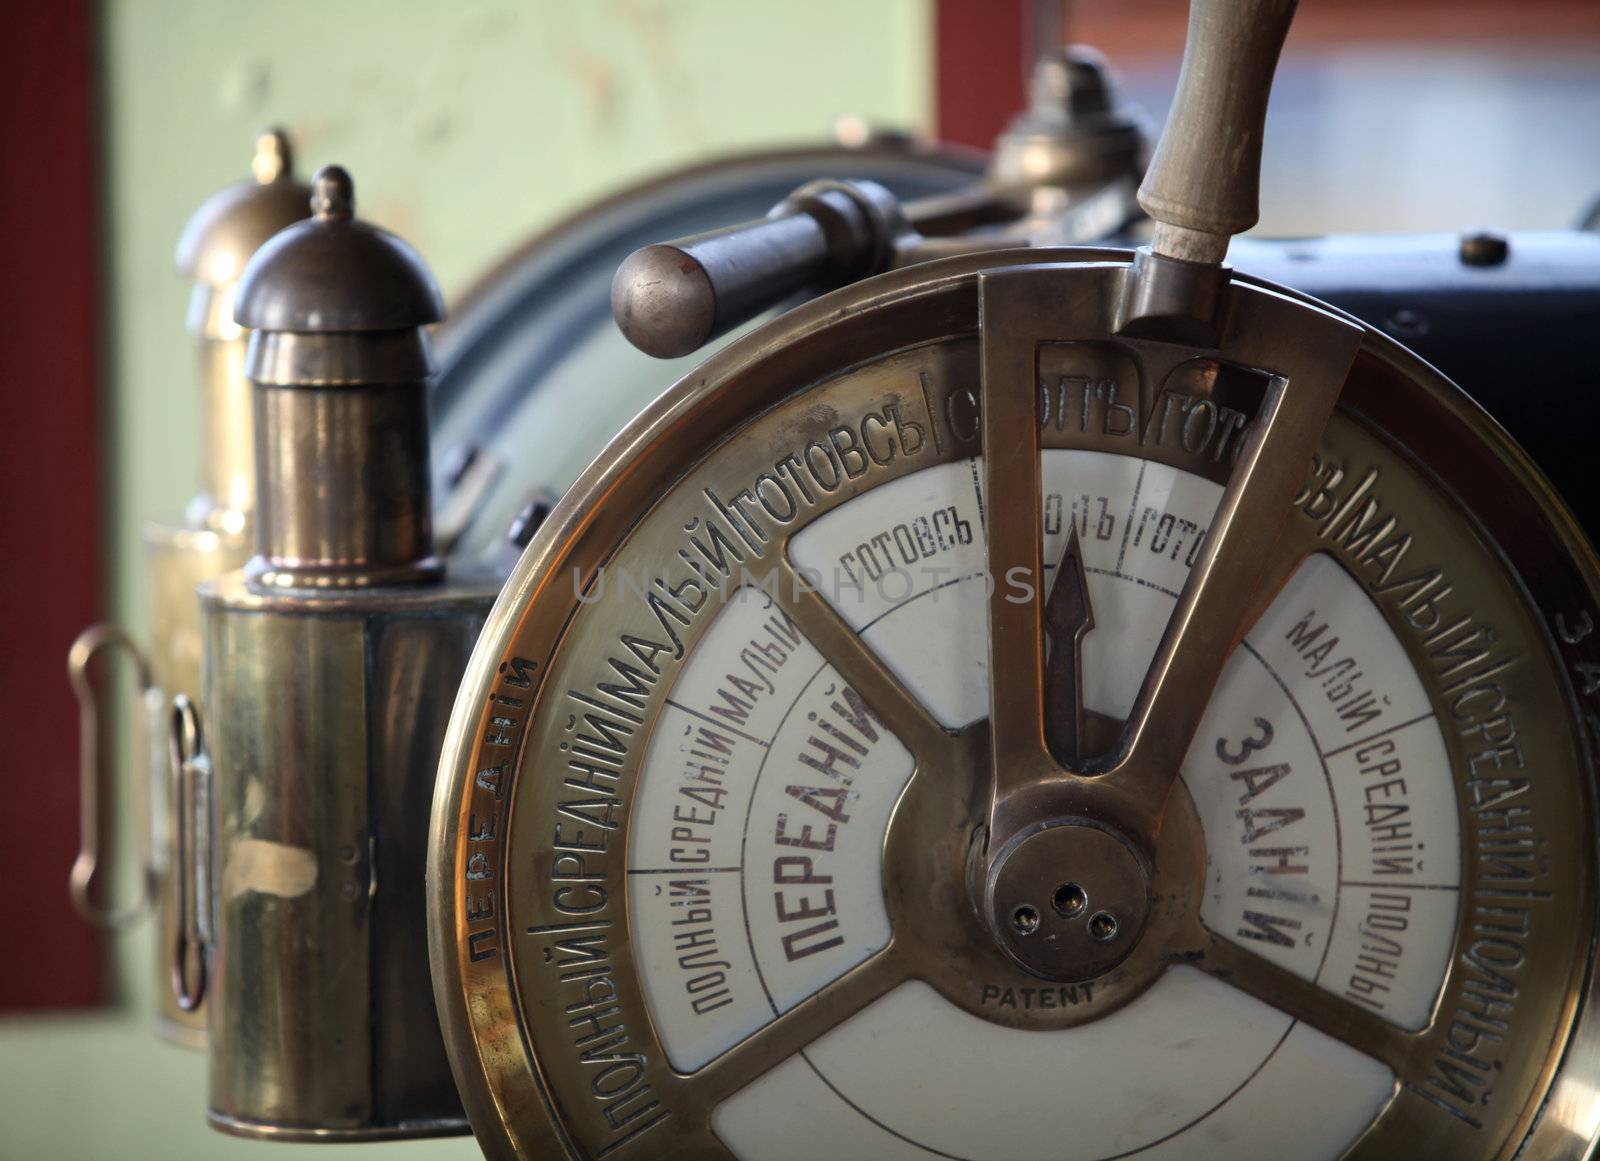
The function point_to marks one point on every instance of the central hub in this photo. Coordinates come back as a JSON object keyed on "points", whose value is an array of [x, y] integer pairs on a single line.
{"points": [[1068, 900]]}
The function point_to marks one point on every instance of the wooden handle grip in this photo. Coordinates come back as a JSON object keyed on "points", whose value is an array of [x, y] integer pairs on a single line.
{"points": [[1203, 183]]}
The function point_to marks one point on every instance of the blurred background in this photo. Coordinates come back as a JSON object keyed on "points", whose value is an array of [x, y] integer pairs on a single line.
{"points": [[469, 126]]}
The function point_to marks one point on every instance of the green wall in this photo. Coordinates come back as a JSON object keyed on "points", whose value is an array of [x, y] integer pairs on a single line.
{"points": [[467, 124]]}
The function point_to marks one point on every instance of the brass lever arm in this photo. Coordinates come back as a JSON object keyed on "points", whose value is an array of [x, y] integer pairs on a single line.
{"points": [[671, 299]]}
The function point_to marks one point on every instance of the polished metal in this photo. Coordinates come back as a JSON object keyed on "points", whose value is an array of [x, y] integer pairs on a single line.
{"points": [[670, 300], [1307, 354], [192, 846], [330, 662], [378, 530], [1201, 188], [1068, 617], [218, 533], [1062, 173], [340, 363], [324, 713], [1043, 886], [336, 274], [1077, 134], [528, 342], [1043, 842], [1307, 357]]}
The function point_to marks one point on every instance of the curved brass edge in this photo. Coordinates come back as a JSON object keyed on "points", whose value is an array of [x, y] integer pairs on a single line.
{"points": [[469, 1057], [250, 1130], [574, 517], [464, 584], [1566, 1123]]}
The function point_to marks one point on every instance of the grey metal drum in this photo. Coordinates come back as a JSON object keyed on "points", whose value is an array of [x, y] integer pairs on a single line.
{"points": [[535, 378]]}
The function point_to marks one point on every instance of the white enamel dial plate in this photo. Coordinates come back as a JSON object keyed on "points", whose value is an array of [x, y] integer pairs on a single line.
{"points": [[755, 871]]}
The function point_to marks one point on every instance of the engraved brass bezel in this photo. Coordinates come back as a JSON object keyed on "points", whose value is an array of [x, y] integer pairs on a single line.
{"points": [[498, 1068]]}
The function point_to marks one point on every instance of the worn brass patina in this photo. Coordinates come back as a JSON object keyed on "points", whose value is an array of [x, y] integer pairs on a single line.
{"points": [[1328, 444], [330, 661], [912, 338]]}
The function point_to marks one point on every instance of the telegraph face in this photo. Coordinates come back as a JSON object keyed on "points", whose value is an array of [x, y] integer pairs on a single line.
{"points": [[730, 782]]}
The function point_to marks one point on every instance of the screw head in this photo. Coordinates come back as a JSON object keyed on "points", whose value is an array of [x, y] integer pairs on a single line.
{"points": [[1069, 900], [1068, 928], [1484, 248], [1025, 920], [1103, 926]]}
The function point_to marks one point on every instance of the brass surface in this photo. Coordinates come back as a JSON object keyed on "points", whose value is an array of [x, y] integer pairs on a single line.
{"points": [[217, 243], [1075, 134], [345, 497], [1063, 173], [336, 273], [340, 367], [329, 662], [919, 342], [227, 448], [190, 950], [324, 715], [214, 535], [1307, 353], [231, 226], [179, 560]]}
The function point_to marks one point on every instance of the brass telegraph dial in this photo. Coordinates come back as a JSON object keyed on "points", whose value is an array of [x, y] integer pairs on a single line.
{"points": [[1038, 704]]}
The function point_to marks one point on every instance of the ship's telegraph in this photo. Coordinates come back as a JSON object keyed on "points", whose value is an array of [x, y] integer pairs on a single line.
{"points": [[1033, 701]]}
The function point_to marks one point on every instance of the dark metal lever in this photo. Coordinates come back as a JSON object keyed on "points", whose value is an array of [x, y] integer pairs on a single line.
{"points": [[673, 298]]}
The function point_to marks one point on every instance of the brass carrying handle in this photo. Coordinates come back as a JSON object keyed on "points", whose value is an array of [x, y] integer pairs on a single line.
{"points": [[191, 774], [95, 772]]}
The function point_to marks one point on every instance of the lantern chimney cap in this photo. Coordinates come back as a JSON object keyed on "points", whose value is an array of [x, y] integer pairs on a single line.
{"points": [[234, 222], [336, 273]]}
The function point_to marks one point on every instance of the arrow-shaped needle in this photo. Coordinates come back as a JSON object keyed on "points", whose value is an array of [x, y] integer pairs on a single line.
{"points": [[1068, 616]]}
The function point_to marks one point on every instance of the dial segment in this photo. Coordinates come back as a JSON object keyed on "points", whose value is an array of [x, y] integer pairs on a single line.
{"points": [[911, 555], [755, 875], [1201, 1070], [1332, 835]]}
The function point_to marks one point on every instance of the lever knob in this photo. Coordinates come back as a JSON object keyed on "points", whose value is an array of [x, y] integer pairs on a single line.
{"points": [[671, 299], [1203, 183]]}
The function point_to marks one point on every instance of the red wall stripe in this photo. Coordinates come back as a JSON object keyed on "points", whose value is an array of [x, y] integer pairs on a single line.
{"points": [[50, 562], [979, 52]]}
